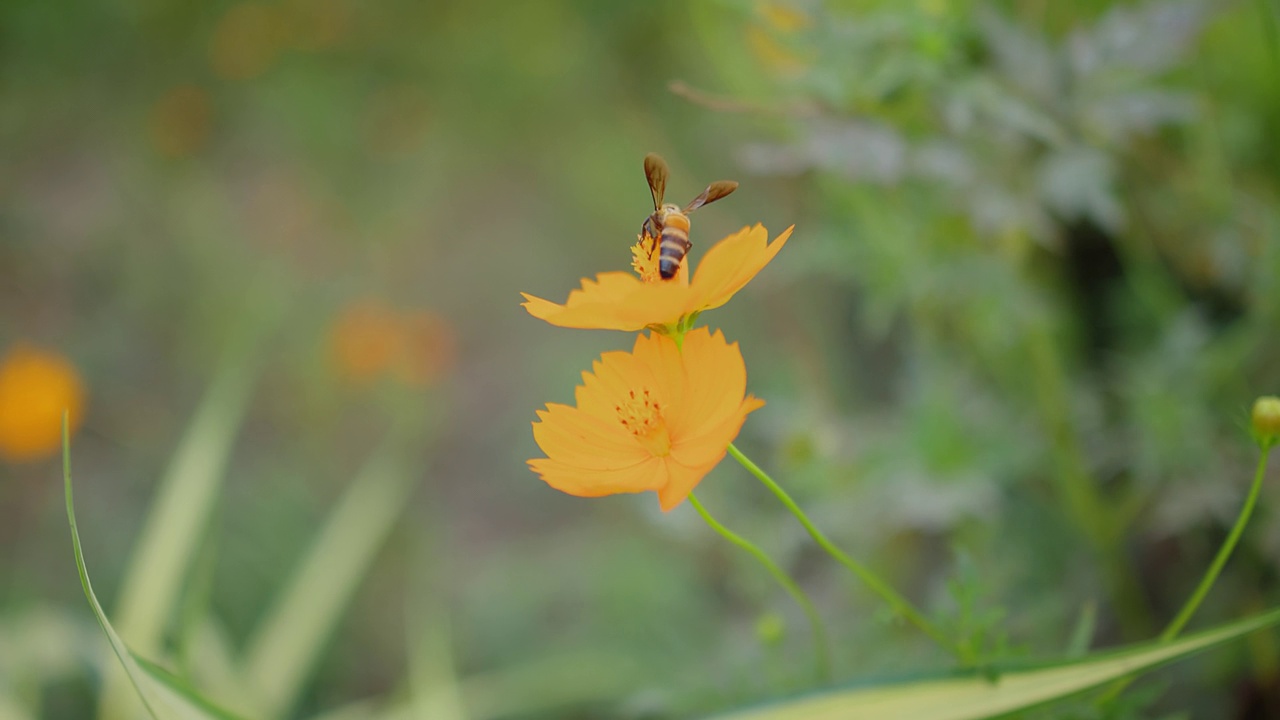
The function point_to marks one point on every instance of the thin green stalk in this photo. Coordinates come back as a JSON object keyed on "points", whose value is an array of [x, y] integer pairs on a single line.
{"points": [[1224, 552], [822, 650], [882, 588], [1211, 574]]}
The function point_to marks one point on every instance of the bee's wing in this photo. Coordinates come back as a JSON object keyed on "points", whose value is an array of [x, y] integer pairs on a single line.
{"points": [[714, 192], [655, 171]]}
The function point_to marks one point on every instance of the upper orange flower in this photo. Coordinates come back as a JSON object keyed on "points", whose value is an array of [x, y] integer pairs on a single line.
{"points": [[657, 418], [621, 301], [36, 386]]}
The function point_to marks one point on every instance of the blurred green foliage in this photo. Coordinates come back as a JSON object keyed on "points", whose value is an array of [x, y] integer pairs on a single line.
{"points": [[1009, 353]]}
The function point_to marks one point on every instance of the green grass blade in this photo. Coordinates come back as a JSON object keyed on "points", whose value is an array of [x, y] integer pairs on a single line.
{"points": [[146, 693], [1082, 635], [185, 498], [214, 665], [180, 693], [163, 695], [433, 678], [11, 709], [977, 696], [546, 686], [280, 655]]}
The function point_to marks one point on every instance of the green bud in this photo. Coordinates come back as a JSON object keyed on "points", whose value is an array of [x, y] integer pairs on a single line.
{"points": [[1266, 420], [771, 628]]}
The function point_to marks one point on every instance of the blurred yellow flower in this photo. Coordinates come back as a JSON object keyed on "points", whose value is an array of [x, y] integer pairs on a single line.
{"points": [[773, 40], [621, 301], [318, 24], [247, 40], [369, 339], [36, 386], [180, 120], [782, 16], [657, 418]]}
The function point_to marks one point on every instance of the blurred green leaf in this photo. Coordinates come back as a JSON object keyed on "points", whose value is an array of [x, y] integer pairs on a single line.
{"points": [[179, 693], [11, 709], [287, 644], [544, 685], [433, 678], [993, 693], [184, 502], [164, 695]]}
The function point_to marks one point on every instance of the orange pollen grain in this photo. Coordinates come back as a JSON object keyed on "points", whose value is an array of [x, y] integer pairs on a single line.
{"points": [[641, 414]]}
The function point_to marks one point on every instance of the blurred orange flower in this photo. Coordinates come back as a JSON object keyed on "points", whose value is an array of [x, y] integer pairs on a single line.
{"points": [[370, 338], [36, 386], [365, 340], [427, 348], [621, 301], [657, 418]]}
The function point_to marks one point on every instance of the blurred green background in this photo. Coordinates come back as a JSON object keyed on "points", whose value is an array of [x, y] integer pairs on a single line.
{"points": [[1008, 353]]}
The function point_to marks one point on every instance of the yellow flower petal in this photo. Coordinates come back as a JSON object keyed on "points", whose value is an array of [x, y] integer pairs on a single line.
{"points": [[717, 380], [656, 418], [709, 447], [732, 263], [662, 361], [593, 444], [571, 479], [613, 301], [682, 480], [620, 301]]}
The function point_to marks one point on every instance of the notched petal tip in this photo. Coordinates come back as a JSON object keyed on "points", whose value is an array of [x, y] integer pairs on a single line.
{"points": [[732, 263]]}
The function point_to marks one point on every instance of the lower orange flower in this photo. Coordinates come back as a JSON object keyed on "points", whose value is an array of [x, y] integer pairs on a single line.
{"points": [[657, 418]]}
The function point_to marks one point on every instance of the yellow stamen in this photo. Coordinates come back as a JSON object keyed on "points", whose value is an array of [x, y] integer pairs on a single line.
{"points": [[641, 414], [644, 258]]}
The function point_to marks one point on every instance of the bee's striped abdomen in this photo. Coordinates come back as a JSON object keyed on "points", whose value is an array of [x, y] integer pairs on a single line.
{"points": [[675, 244]]}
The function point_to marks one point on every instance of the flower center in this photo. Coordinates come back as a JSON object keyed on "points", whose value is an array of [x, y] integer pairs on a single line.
{"points": [[644, 258], [641, 415]]}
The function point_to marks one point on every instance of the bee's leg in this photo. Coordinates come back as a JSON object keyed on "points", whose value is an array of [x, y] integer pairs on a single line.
{"points": [[653, 231], [650, 227]]}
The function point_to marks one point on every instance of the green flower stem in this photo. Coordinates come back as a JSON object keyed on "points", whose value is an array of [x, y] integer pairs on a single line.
{"points": [[822, 650], [1210, 575], [899, 604], [1224, 552], [1077, 488]]}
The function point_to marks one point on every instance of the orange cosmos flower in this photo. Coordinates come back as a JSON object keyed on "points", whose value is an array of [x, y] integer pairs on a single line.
{"points": [[370, 339], [657, 418], [36, 386], [620, 301], [365, 340]]}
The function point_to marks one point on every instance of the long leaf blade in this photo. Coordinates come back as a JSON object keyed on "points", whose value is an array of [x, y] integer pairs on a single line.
{"points": [[978, 696], [146, 693], [282, 652], [164, 695]]}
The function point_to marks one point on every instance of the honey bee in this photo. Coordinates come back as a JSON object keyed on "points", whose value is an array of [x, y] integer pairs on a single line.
{"points": [[668, 226]]}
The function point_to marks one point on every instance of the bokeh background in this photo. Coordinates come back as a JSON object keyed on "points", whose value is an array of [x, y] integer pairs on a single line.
{"points": [[1033, 288]]}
